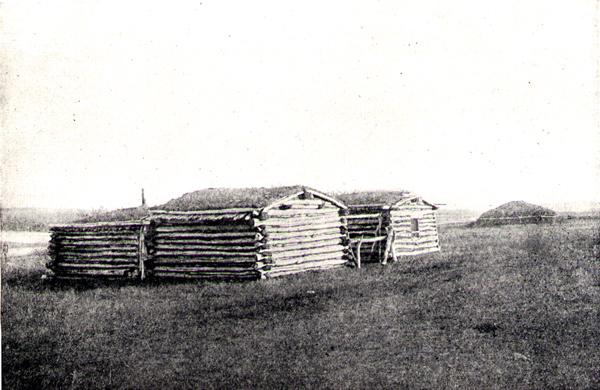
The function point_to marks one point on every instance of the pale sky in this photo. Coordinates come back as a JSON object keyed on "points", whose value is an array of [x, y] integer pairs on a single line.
{"points": [[468, 103]]}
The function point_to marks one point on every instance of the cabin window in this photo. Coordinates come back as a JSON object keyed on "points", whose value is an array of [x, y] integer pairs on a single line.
{"points": [[414, 227]]}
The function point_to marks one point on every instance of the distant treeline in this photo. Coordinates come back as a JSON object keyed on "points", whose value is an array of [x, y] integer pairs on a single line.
{"points": [[37, 219]]}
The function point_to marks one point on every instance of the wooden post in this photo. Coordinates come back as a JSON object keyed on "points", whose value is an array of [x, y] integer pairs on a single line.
{"points": [[394, 257], [142, 252], [358, 252]]}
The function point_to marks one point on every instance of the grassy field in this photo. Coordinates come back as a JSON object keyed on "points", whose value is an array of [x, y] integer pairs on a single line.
{"points": [[500, 307]]}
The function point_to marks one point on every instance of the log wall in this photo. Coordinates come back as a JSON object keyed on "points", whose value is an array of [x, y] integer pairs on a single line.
{"points": [[206, 245], [303, 235], [295, 236], [409, 242], [368, 222], [97, 249]]}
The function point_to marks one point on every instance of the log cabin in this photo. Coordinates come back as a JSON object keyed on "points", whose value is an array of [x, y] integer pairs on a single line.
{"points": [[384, 224], [247, 233], [215, 233]]}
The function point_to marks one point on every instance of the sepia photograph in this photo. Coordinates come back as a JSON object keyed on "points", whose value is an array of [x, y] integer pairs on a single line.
{"points": [[300, 195]]}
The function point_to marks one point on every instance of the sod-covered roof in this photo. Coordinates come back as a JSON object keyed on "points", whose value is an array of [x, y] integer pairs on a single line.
{"points": [[385, 198], [128, 214], [227, 198], [372, 197]]}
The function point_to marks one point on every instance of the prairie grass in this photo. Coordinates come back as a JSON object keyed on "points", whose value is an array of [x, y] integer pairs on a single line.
{"points": [[499, 307]]}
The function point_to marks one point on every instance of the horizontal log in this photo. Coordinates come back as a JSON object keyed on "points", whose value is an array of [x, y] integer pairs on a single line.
{"points": [[362, 216], [192, 247], [211, 235], [210, 260], [249, 241], [308, 257], [416, 239], [369, 240], [106, 236], [290, 235], [180, 228], [205, 267], [297, 239], [279, 269], [207, 275], [356, 234], [314, 201], [370, 230], [296, 222], [91, 272], [282, 254], [121, 254], [330, 258], [305, 244], [296, 213], [365, 224], [91, 244], [97, 243], [303, 228], [207, 264], [97, 225], [97, 260], [408, 220], [96, 266], [225, 254]]}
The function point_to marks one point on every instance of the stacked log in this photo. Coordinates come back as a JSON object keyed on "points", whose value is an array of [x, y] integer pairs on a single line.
{"points": [[97, 249], [219, 244], [368, 222], [409, 242], [303, 235]]}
